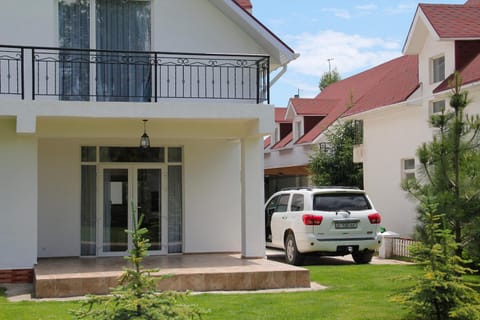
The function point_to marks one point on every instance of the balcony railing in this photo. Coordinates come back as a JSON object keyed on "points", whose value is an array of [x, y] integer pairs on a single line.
{"points": [[105, 75]]}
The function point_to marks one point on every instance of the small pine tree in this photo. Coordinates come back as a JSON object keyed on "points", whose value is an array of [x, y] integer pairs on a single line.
{"points": [[136, 296], [441, 292]]}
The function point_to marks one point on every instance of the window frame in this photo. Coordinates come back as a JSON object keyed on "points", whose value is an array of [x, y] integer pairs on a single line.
{"points": [[437, 73], [408, 172]]}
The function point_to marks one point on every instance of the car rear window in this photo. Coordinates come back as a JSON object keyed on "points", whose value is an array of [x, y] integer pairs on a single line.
{"points": [[340, 201]]}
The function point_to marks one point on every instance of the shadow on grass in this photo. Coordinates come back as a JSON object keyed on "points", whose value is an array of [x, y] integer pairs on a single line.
{"points": [[314, 260]]}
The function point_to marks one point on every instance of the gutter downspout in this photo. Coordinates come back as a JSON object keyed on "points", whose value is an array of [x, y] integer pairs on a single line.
{"points": [[282, 72]]}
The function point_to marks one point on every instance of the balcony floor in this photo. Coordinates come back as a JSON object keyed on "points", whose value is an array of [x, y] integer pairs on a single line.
{"points": [[67, 277]]}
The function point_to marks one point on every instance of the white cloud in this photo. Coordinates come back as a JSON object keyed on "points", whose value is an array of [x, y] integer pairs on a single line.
{"points": [[351, 53], [341, 13], [367, 7]]}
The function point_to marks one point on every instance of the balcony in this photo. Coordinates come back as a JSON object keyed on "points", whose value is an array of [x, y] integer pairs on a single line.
{"points": [[102, 75]]}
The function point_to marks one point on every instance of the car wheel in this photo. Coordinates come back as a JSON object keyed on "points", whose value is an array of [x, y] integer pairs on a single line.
{"points": [[292, 256], [363, 257]]}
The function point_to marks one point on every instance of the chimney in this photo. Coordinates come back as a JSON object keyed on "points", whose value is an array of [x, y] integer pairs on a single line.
{"points": [[245, 4]]}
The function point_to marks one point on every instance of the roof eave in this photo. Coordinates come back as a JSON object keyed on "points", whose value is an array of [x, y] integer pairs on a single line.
{"points": [[278, 49]]}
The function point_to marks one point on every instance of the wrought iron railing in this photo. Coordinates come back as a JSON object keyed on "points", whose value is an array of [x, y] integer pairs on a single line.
{"points": [[106, 75]]}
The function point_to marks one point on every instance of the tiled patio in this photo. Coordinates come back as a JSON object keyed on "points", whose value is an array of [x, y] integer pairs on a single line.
{"points": [[66, 277]]}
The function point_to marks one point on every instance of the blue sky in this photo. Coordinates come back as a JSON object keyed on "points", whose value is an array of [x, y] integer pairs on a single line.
{"points": [[356, 34]]}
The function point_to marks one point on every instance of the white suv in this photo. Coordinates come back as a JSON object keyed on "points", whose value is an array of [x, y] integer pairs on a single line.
{"points": [[331, 221]]}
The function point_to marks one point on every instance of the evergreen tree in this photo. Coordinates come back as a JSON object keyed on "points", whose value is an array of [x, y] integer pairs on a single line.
{"points": [[450, 165], [328, 78], [333, 165], [136, 296], [441, 292]]}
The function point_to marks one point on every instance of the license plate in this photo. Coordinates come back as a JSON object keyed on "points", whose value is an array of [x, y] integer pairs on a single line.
{"points": [[346, 225]]}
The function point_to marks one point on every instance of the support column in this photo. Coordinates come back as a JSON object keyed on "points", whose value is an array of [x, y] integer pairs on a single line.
{"points": [[18, 198], [253, 216]]}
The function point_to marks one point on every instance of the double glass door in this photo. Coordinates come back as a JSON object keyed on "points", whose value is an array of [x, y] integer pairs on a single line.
{"points": [[127, 192]]}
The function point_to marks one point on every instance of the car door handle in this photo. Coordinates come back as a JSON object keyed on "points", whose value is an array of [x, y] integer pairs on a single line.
{"points": [[284, 218]]}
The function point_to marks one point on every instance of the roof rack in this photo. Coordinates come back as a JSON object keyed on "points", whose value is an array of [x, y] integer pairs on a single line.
{"points": [[319, 187]]}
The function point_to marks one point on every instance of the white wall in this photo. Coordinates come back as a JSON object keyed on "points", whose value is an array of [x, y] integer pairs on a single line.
{"points": [[26, 22], [390, 137], [58, 198], [35, 23], [212, 196], [18, 197]]}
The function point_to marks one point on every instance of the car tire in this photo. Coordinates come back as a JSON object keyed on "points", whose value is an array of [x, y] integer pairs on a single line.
{"points": [[363, 257], [292, 256]]}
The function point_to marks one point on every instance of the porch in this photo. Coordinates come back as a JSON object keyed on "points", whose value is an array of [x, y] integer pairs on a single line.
{"points": [[66, 277]]}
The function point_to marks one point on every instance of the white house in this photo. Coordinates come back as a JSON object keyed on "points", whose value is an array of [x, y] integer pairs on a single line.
{"points": [[77, 80], [446, 38]]}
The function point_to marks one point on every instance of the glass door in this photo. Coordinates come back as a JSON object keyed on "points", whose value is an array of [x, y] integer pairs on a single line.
{"points": [[149, 204], [125, 191], [116, 194]]}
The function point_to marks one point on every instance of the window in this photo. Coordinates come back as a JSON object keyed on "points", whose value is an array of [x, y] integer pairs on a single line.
{"points": [[408, 169], [438, 69], [358, 132], [438, 106], [340, 201], [297, 202]]}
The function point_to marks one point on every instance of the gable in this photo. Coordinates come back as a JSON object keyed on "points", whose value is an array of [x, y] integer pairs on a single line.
{"points": [[442, 22]]}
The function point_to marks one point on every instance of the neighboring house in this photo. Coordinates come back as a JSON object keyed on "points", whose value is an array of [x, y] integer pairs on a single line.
{"points": [[71, 169], [445, 38], [393, 103], [301, 128]]}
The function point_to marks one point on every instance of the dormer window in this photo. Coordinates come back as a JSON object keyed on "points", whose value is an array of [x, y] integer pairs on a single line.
{"points": [[438, 69]]}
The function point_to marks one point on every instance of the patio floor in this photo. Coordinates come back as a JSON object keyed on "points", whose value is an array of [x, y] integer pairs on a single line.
{"points": [[67, 277]]}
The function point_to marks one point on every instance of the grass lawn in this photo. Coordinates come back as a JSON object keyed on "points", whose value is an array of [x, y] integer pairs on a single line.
{"points": [[354, 292]]}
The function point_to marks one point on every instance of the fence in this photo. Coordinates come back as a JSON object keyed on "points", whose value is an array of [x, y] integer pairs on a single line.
{"points": [[401, 247]]}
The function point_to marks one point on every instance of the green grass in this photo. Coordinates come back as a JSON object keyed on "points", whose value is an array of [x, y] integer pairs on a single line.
{"points": [[354, 292]]}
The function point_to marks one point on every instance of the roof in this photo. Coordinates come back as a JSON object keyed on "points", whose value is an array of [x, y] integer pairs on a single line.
{"points": [[454, 21], [312, 107], [284, 142], [389, 83], [443, 21], [280, 115]]}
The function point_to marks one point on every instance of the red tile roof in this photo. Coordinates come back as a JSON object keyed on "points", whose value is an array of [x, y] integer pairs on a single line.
{"points": [[284, 142], [454, 21], [280, 115], [312, 107], [266, 142], [386, 84]]}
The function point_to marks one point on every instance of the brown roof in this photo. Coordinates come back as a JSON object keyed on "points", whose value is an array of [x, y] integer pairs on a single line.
{"points": [[312, 107], [383, 85], [280, 115], [454, 20], [284, 142]]}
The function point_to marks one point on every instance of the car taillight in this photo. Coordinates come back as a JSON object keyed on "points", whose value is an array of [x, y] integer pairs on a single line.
{"points": [[311, 220], [375, 218]]}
